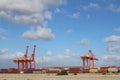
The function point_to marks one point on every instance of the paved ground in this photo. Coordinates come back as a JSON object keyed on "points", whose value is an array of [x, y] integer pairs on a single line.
{"points": [[54, 77]]}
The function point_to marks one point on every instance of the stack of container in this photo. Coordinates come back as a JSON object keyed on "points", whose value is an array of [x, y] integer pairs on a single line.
{"points": [[52, 70], [28, 71], [119, 69], [4, 71], [113, 69], [103, 70], [74, 70], [93, 70], [13, 70], [37, 71]]}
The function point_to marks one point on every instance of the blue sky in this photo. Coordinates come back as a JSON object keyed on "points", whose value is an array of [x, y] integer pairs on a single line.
{"points": [[62, 30]]}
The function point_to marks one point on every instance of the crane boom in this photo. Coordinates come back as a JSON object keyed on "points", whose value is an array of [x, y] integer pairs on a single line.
{"points": [[26, 54]]}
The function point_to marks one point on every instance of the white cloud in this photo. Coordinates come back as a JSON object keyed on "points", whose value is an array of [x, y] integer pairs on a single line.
{"points": [[3, 51], [2, 30], [59, 59], [57, 10], [113, 49], [109, 60], [2, 38], [84, 42], [48, 15], [114, 8], [91, 5], [112, 38], [70, 30], [6, 58], [43, 60], [5, 55], [49, 53], [67, 54], [111, 57], [28, 12], [117, 29], [66, 58], [28, 19], [75, 15], [41, 33], [4, 15]]}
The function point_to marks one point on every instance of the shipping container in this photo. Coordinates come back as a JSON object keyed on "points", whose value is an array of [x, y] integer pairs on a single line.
{"points": [[119, 69], [74, 70], [103, 70], [28, 71], [112, 70], [93, 70], [54, 70], [4, 70]]}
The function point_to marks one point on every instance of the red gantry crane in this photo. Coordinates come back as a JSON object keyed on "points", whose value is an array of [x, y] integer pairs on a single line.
{"points": [[25, 61], [32, 60], [88, 60]]}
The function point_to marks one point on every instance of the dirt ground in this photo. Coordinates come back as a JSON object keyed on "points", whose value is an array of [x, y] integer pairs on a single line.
{"points": [[54, 77]]}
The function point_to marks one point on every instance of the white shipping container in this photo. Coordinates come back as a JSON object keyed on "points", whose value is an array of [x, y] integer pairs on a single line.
{"points": [[113, 70], [52, 69]]}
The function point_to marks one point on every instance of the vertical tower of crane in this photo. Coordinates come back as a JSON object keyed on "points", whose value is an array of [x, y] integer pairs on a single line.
{"points": [[25, 58], [33, 58]]}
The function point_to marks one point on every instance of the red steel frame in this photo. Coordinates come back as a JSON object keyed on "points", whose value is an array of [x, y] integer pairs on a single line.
{"points": [[88, 60], [26, 62]]}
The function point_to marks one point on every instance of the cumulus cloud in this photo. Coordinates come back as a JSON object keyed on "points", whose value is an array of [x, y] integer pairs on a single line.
{"points": [[6, 58], [3, 51], [2, 30], [111, 57], [45, 59], [75, 15], [62, 59], [49, 53], [91, 5], [40, 33], [110, 60], [5, 55], [114, 8], [28, 12], [117, 29], [2, 38], [113, 49], [28, 19], [67, 54], [57, 10], [84, 42], [4, 15], [66, 58], [69, 30], [112, 38]]}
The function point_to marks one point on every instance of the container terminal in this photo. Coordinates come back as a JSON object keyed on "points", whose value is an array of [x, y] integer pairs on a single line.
{"points": [[28, 65]]}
